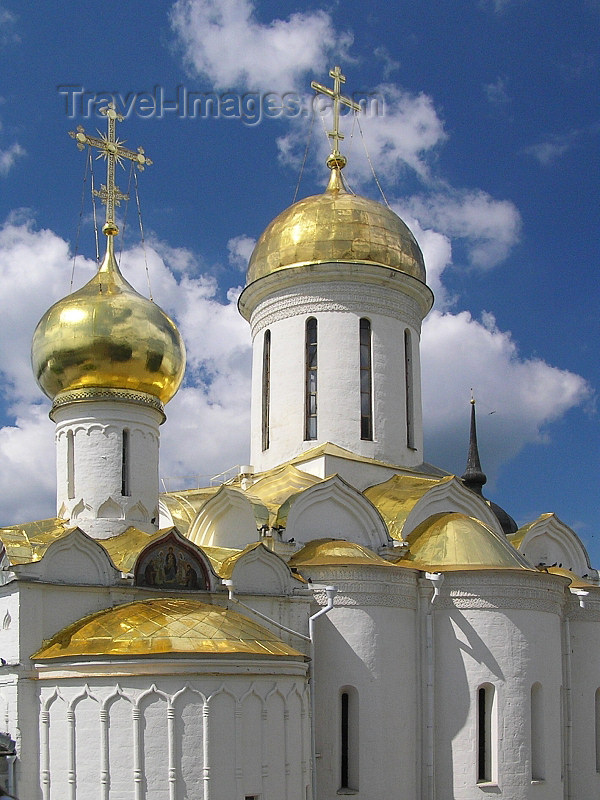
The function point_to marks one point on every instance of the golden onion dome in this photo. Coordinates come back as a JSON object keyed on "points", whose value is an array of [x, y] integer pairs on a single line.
{"points": [[107, 336], [164, 625], [336, 226]]}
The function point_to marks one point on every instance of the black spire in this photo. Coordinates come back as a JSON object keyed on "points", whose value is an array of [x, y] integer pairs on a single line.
{"points": [[474, 478]]}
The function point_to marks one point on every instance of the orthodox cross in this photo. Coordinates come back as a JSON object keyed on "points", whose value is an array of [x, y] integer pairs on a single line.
{"points": [[113, 151], [336, 159]]}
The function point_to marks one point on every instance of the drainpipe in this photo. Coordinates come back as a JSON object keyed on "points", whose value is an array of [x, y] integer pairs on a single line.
{"points": [[436, 578], [331, 592], [582, 594]]}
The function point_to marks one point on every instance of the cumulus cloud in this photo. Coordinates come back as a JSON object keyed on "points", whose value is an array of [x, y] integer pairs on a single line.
{"points": [[208, 427], [489, 228], [527, 394], [224, 41], [402, 130], [240, 249], [208, 420]]}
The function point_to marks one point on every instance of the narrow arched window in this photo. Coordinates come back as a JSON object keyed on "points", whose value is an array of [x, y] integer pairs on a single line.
{"points": [[537, 733], [486, 734], [366, 381], [597, 710], [311, 379], [409, 391], [70, 465], [349, 752], [266, 389], [125, 459]]}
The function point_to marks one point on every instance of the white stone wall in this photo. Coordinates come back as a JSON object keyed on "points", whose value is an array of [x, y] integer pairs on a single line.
{"points": [[222, 730], [583, 702], [501, 629], [98, 504], [367, 646], [338, 308]]}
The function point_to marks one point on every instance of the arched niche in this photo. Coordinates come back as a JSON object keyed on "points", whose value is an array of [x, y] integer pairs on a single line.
{"points": [[334, 508], [172, 562], [447, 497], [75, 559], [228, 519], [258, 570], [549, 542]]}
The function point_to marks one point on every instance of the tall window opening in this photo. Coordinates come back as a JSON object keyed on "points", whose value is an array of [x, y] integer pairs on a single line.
{"points": [[366, 381], [537, 733], [409, 390], [597, 709], [311, 379], [485, 734], [349, 739], [70, 465], [266, 389], [125, 458]]}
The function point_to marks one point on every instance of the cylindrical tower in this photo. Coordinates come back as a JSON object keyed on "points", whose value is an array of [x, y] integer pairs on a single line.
{"points": [[335, 297], [109, 359]]}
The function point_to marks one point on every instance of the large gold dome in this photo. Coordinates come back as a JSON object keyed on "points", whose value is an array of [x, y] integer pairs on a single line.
{"points": [[336, 226], [106, 335]]}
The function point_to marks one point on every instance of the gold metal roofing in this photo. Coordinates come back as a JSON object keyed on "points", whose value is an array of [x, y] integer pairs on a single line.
{"points": [[576, 581], [107, 336], [453, 541], [27, 543], [160, 626], [336, 226], [185, 505], [275, 487], [329, 552], [396, 498]]}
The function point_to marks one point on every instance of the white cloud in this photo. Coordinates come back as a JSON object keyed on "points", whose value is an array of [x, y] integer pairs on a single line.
{"points": [[401, 131], [459, 353], [7, 24], [207, 429], [240, 249], [496, 92], [224, 41], [9, 156], [551, 149], [489, 228], [208, 426]]}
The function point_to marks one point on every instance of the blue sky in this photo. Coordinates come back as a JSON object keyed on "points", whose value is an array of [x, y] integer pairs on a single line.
{"points": [[487, 146]]}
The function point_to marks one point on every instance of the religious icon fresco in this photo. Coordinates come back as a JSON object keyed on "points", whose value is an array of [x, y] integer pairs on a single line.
{"points": [[170, 565]]}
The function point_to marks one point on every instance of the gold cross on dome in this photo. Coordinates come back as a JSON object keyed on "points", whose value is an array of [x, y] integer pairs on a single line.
{"points": [[336, 94], [113, 151]]}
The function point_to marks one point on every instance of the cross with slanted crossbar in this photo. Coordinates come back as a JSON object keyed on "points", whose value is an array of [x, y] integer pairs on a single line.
{"points": [[337, 97], [113, 151]]}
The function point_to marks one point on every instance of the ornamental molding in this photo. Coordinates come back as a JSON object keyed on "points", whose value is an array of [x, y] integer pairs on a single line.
{"points": [[379, 599], [324, 297], [94, 394], [494, 603]]}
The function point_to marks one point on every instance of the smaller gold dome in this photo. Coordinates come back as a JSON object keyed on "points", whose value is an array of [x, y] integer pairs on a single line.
{"points": [[164, 625], [336, 226], [455, 541], [106, 335]]}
